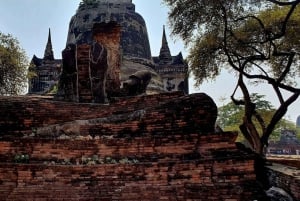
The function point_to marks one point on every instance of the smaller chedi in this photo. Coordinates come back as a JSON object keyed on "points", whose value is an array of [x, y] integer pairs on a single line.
{"points": [[44, 71], [172, 69], [298, 122]]}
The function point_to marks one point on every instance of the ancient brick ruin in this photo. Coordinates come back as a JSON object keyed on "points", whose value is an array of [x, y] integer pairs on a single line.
{"points": [[162, 146], [158, 147], [92, 69]]}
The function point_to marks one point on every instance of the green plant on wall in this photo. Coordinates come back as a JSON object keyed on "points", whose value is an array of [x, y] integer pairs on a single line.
{"points": [[21, 158], [298, 133]]}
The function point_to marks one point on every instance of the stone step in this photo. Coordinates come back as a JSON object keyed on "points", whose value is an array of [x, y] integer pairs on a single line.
{"points": [[152, 181], [64, 148], [160, 147]]}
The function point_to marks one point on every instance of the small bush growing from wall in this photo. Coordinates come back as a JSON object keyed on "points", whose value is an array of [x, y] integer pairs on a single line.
{"points": [[21, 158]]}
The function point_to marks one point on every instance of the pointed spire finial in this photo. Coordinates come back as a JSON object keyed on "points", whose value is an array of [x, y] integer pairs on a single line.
{"points": [[164, 39], [165, 54], [48, 55]]}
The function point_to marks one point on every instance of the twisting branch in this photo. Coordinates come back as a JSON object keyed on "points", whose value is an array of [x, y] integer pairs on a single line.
{"points": [[261, 121], [281, 111], [293, 4], [284, 3], [287, 68]]}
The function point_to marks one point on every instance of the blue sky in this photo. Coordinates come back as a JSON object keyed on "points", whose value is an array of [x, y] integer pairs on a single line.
{"points": [[29, 21]]}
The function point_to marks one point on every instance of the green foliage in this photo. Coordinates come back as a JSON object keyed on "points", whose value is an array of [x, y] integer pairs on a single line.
{"points": [[21, 158], [254, 31], [201, 25], [13, 66], [231, 117], [249, 25], [53, 89], [31, 71], [298, 132], [247, 37]]}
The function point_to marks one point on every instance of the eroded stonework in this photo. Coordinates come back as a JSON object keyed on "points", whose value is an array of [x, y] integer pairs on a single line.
{"points": [[91, 70], [134, 39], [134, 43]]}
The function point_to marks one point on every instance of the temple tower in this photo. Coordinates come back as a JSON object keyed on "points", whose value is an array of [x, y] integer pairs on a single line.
{"points": [[49, 55], [44, 71], [165, 54], [298, 122], [172, 69]]}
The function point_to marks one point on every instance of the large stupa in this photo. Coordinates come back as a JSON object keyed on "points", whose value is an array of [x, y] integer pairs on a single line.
{"points": [[134, 43]]}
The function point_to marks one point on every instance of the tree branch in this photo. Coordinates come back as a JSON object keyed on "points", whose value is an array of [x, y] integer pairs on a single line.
{"points": [[281, 111], [284, 3]]}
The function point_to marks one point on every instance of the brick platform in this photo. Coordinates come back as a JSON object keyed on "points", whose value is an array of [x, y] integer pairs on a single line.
{"points": [[159, 147]]}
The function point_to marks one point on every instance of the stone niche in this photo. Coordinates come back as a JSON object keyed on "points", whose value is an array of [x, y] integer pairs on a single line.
{"points": [[92, 69], [109, 35]]}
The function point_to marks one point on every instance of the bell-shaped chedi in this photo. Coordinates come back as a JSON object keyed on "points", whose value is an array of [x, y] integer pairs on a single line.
{"points": [[134, 39], [134, 49]]}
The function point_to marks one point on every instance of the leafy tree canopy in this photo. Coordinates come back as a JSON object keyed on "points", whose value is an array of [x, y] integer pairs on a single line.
{"points": [[231, 115], [201, 25], [13, 66]]}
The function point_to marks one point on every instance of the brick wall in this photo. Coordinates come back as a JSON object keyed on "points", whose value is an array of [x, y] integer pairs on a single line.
{"points": [[110, 36], [20, 114], [160, 147], [157, 168], [286, 178]]}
